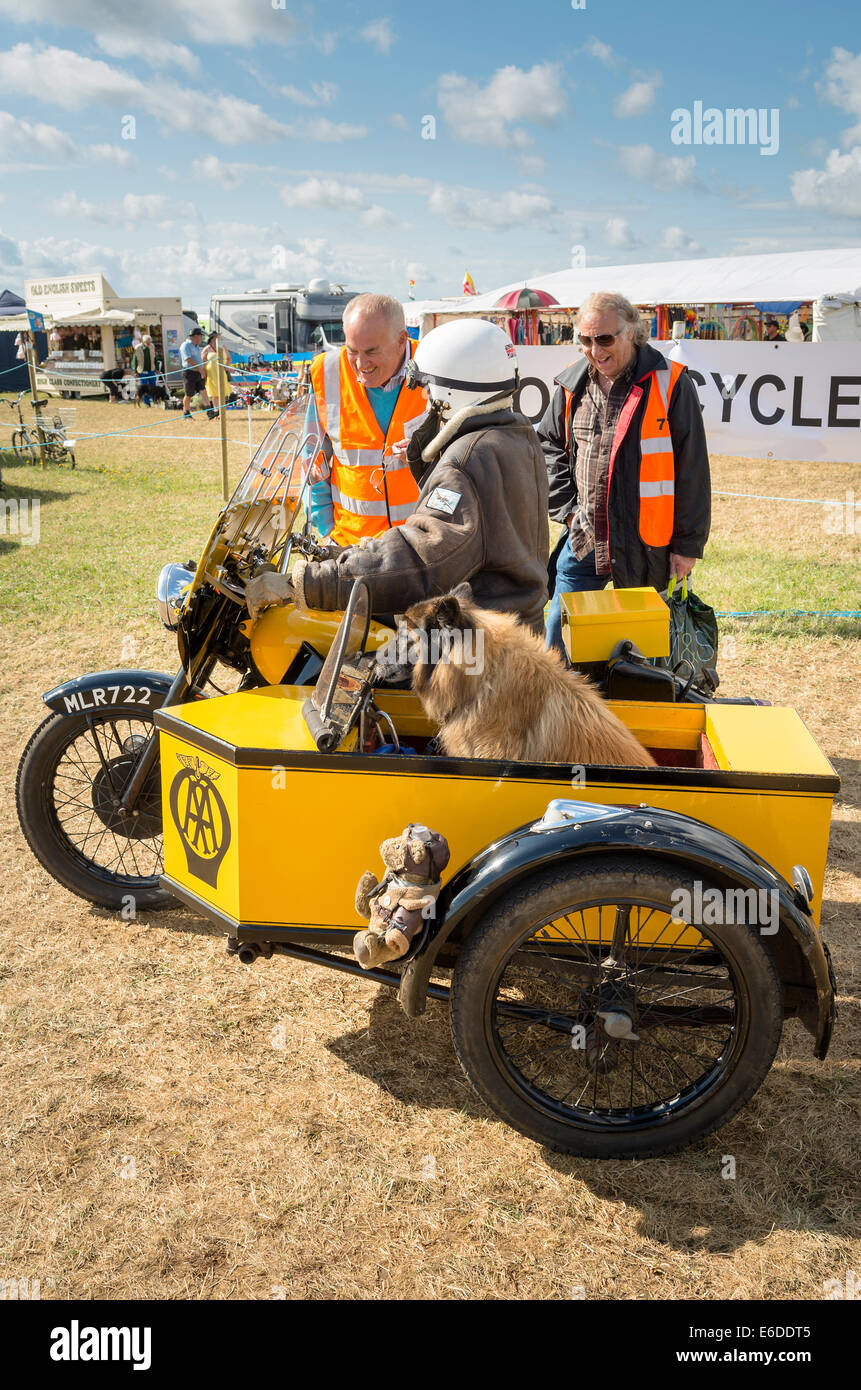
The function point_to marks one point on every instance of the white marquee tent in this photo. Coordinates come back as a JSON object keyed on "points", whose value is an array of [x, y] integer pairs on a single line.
{"points": [[786, 276]]}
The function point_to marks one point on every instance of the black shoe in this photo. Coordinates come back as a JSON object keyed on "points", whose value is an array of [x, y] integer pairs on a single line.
{"points": [[212, 414]]}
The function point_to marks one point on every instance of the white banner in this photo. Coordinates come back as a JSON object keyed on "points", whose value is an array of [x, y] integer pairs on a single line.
{"points": [[760, 400]]}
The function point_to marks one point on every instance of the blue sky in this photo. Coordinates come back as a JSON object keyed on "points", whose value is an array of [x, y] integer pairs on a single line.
{"points": [[274, 140]]}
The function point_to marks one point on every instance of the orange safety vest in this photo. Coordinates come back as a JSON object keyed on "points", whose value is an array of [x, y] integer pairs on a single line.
{"points": [[371, 490], [657, 465]]}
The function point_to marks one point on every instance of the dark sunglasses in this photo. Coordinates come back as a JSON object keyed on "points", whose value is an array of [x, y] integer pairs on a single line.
{"points": [[600, 339]]}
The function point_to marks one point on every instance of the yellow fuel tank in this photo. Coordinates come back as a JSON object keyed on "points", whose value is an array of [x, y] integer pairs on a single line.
{"points": [[280, 631]]}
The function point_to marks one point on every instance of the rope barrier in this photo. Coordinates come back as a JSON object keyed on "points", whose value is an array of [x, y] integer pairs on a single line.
{"points": [[794, 613], [757, 497]]}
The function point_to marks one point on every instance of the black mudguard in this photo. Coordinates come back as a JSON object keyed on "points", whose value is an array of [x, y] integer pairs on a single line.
{"points": [[572, 829], [103, 689]]}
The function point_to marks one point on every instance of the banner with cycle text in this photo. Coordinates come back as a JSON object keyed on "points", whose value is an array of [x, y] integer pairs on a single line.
{"points": [[760, 400]]}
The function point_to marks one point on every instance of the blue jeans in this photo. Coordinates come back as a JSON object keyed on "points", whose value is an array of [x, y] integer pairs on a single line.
{"points": [[572, 576]]}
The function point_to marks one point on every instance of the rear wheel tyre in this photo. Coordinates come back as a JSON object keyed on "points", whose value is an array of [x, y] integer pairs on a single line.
{"points": [[24, 451], [70, 771], [592, 1021]]}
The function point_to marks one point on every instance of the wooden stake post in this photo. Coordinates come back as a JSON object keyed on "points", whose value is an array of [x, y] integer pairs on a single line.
{"points": [[222, 421]]}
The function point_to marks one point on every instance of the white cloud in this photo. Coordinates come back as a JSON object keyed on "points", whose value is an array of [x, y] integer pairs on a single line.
{"points": [[603, 52], [379, 33], [835, 189], [617, 232], [843, 89], [57, 256], [377, 216], [140, 206], [328, 132], [462, 207], [486, 115], [398, 121], [10, 252], [33, 138], [74, 82], [70, 205], [341, 197], [158, 53], [638, 98], [677, 240], [322, 193], [321, 94], [119, 155], [660, 170], [531, 164], [133, 207], [233, 23], [229, 176]]}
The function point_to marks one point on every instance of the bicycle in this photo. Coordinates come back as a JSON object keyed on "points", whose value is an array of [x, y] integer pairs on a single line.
{"points": [[25, 440]]}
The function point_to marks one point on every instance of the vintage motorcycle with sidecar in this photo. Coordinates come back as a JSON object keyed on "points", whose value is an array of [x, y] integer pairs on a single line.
{"points": [[619, 947]]}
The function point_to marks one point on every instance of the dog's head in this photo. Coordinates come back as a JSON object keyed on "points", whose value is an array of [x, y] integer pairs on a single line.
{"points": [[446, 643]]}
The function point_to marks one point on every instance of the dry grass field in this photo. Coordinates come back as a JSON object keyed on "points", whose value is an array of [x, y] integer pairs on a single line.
{"points": [[174, 1125]]}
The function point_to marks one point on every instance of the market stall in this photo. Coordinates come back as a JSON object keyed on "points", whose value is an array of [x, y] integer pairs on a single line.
{"points": [[93, 331]]}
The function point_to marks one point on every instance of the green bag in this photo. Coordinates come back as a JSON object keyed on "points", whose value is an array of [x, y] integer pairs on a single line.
{"points": [[693, 638]]}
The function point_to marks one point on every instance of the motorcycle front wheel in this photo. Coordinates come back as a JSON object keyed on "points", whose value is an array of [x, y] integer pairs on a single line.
{"points": [[70, 777], [588, 1017]]}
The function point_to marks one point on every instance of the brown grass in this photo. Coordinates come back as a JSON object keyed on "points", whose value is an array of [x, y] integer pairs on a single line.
{"points": [[292, 1134]]}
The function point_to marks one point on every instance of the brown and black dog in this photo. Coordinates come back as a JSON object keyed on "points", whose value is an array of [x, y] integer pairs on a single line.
{"points": [[496, 692]]}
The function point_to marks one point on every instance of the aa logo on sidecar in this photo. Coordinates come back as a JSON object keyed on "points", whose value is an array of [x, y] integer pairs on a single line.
{"points": [[200, 816]]}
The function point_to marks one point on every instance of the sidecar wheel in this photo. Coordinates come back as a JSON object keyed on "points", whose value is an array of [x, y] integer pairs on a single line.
{"points": [[66, 778], [606, 1052]]}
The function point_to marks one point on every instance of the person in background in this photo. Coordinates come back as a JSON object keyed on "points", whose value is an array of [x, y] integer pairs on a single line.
{"points": [[112, 376], [627, 461], [365, 408], [772, 332], [216, 360], [192, 374], [144, 365]]}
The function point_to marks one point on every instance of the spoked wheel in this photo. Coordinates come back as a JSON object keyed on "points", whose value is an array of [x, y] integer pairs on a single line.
{"points": [[24, 450], [70, 779], [590, 1016]]}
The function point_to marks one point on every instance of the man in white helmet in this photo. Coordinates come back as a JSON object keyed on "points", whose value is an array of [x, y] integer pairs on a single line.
{"points": [[482, 512]]}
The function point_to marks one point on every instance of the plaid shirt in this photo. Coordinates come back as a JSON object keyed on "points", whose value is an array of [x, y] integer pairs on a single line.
{"points": [[592, 431]]}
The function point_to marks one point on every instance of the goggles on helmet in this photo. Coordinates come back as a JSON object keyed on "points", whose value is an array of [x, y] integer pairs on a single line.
{"points": [[416, 378]]}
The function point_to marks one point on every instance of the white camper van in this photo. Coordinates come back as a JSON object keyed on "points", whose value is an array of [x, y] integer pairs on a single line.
{"points": [[283, 320]]}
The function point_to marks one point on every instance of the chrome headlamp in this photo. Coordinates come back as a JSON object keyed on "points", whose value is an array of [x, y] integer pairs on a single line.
{"points": [[171, 593]]}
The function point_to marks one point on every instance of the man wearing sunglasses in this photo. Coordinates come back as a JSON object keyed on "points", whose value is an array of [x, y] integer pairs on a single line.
{"points": [[627, 462]]}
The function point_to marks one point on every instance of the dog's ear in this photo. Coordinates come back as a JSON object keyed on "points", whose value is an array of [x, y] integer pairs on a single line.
{"points": [[448, 613], [463, 592]]}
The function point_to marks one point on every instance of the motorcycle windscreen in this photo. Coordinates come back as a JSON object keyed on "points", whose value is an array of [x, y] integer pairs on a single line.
{"points": [[261, 514], [291, 453]]}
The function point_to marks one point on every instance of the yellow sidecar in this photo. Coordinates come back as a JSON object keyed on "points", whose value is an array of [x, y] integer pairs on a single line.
{"points": [[623, 945]]}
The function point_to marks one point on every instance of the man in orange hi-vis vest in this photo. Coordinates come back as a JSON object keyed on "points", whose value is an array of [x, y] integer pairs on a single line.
{"points": [[365, 410], [627, 462]]}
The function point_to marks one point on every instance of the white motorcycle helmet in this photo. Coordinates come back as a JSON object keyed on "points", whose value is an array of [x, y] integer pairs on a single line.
{"points": [[468, 367]]}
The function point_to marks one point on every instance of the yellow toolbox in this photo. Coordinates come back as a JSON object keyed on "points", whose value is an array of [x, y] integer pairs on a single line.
{"points": [[592, 623]]}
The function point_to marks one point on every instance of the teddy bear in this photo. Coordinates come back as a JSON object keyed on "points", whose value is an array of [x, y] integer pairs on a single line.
{"points": [[399, 904]]}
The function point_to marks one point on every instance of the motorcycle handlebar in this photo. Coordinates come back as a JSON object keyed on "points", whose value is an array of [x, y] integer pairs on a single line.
{"points": [[324, 737]]}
